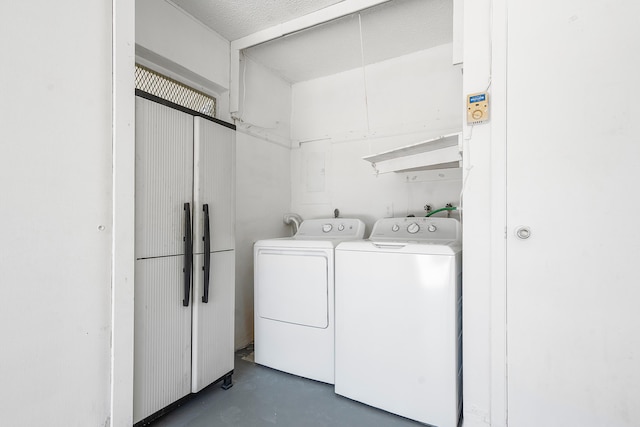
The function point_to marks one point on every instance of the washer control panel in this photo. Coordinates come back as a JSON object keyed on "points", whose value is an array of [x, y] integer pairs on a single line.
{"points": [[349, 228], [416, 229]]}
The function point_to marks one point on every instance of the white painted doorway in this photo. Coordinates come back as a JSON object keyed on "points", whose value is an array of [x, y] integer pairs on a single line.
{"points": [[573, 166]]}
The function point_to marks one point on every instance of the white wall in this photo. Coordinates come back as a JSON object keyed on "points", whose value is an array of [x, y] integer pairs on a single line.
{"points": [[56, 187], [265, 104], [178, 45], [408, 99], [263, 196], [263, 180]]}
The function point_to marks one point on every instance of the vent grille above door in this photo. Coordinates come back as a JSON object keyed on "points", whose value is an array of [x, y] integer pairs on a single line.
{"points": [[171, 90]]}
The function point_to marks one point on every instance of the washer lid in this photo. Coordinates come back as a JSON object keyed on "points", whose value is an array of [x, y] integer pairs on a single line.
{"points": [[401, 247], [297, 243]]}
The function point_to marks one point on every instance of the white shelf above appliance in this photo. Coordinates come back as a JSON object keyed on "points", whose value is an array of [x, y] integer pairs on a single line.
{"points": [[444, 152]]}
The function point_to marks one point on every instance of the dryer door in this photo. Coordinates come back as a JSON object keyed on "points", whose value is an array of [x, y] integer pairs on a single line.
{"points": [[293, 286]]}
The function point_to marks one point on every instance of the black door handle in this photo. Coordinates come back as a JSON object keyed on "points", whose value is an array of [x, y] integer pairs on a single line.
{"points": [[207, 255], [188, 254]]}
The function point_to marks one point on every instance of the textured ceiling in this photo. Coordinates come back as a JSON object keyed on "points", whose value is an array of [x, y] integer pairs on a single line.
{"points": [[234, 19], [389, 30]]}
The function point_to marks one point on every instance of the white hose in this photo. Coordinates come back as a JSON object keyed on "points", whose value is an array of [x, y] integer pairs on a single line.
{"points": [[294, 220]]}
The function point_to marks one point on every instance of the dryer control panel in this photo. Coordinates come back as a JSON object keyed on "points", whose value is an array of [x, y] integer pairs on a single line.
{"points": [[418, 229], [349, 228]]}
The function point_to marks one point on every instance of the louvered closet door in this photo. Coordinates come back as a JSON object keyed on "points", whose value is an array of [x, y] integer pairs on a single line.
{"points": [[164, 183], [213, 323]]}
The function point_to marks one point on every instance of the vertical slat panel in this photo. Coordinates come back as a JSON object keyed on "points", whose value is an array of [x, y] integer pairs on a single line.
{"points": [[214, 166], [162, 365], [164, 170], [214, 322]]}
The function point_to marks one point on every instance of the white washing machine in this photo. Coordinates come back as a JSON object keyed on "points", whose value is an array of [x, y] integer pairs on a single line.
{"points": [[294, 297], [399, 319]]}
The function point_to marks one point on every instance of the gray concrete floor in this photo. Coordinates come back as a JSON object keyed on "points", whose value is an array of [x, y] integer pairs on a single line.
{"points": [[262, 396]]}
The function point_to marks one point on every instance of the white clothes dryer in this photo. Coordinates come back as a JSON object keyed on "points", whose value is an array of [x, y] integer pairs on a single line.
{"points": [[398, 319], [294, 298]]}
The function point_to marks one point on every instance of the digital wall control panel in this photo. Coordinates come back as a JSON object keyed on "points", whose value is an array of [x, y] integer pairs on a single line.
{"points": [[477, 108]]}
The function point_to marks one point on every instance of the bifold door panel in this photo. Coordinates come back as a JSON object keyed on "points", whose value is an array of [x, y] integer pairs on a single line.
{"points": [[300, 276]]}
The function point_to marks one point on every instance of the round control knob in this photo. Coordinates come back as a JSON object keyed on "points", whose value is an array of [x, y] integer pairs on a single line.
{"points": [[395, 228], [432, 228], [327, 228], [341, 227], [413, 228]]}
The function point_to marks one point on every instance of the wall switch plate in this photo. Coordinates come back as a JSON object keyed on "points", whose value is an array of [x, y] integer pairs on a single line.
{"points": [[477, 108], [388, 210]]}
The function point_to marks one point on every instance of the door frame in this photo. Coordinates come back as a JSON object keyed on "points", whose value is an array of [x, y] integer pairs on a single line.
{"points": [[123, 212], [499, 232]]}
